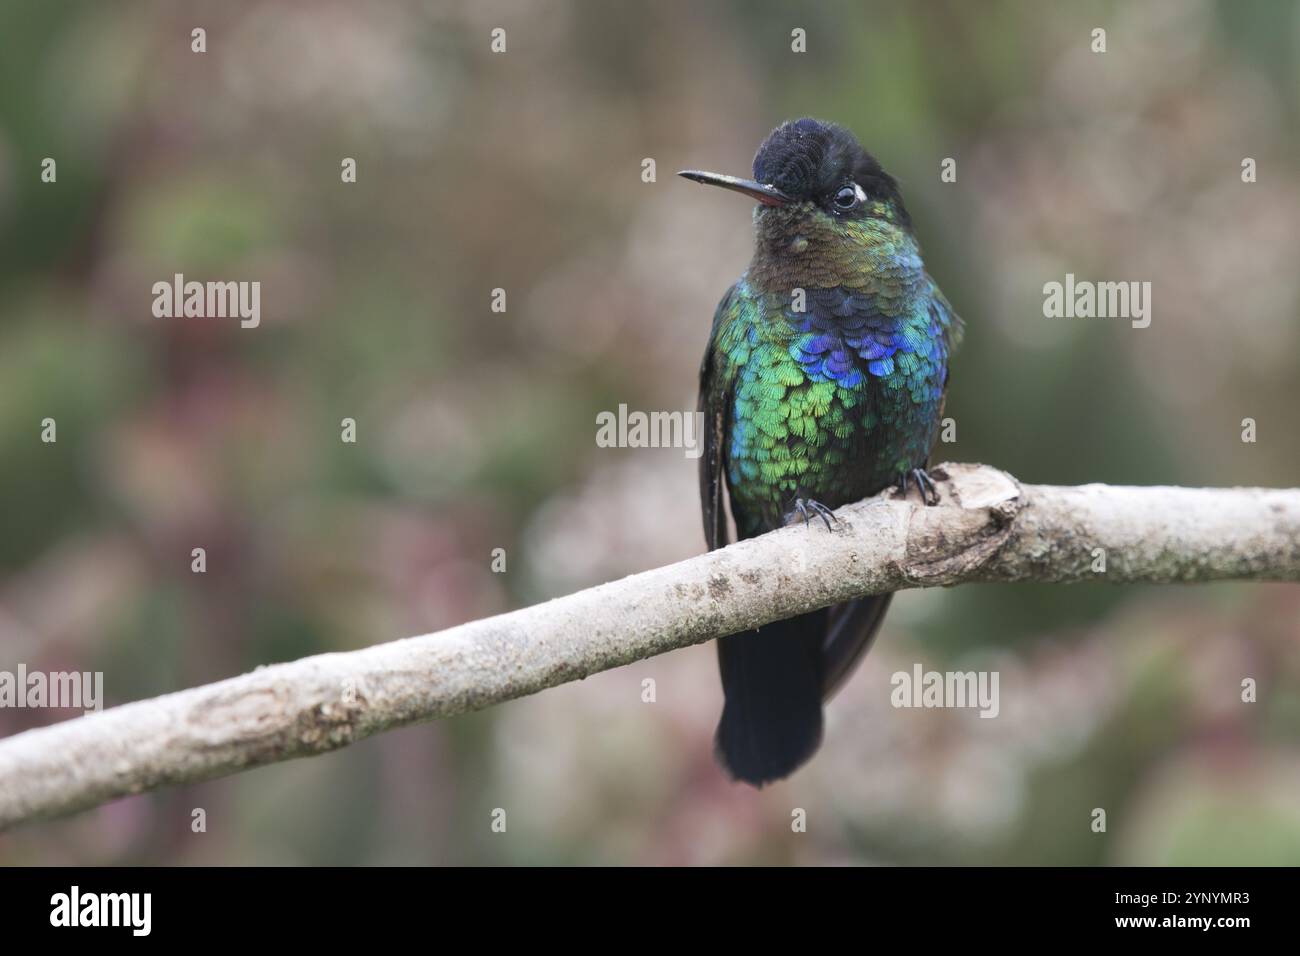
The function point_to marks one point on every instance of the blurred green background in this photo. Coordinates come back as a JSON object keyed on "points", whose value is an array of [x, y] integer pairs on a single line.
{"points": [[476, 430]]}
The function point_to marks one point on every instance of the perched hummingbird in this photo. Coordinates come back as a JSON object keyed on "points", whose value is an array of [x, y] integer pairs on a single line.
{"points": [[823, 383]]}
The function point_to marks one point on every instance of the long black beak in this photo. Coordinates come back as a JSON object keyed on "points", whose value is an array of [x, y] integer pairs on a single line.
{"points": [[767, 195]]}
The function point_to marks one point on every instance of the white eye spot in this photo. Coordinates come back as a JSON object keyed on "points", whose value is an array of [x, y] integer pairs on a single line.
{"points": [[859, 192]]}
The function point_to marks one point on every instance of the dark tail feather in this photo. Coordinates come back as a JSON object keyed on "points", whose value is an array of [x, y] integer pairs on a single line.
{"points": [[775, 680], [853, 627], [772, 678]]}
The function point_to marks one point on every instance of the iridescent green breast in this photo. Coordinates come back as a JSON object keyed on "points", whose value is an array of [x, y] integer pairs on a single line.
{"points": [[832, 401]]}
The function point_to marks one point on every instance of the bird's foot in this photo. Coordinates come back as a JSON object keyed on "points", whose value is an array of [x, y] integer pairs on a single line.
{"points": [[806, 507], [924, 484]]}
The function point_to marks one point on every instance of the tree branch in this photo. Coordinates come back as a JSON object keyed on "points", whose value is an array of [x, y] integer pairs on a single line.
{"points": [[987, 528]]}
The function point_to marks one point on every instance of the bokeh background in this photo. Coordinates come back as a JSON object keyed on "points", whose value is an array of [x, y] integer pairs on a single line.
{"points": [[476, 430]]}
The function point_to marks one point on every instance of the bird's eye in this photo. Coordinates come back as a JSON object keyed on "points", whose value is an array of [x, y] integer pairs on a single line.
{"points": [[849, 196]]}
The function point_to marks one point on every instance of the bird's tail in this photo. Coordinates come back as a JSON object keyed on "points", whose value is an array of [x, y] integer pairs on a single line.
{"points": [[775, 679]]}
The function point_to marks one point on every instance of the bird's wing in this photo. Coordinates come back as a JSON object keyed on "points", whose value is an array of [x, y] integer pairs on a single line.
{"points": [[942, 313], [850, 631], [717, 379]]}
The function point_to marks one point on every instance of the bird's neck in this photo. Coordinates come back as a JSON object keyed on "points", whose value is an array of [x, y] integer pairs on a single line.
{"points": [[816, 252]]}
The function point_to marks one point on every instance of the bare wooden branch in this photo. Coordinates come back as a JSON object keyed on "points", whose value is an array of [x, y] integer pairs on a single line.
{"points": [[988, 527]]}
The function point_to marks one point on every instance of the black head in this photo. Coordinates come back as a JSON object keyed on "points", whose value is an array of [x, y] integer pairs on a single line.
{"points": [[806, 160], [817, 162]]}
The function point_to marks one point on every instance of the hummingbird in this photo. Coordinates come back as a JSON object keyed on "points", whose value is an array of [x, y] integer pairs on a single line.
{"points": [[823, 383]]}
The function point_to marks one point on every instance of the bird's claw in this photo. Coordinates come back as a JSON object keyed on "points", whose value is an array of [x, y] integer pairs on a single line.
{"points": [[807, 507], [924, 485]]}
